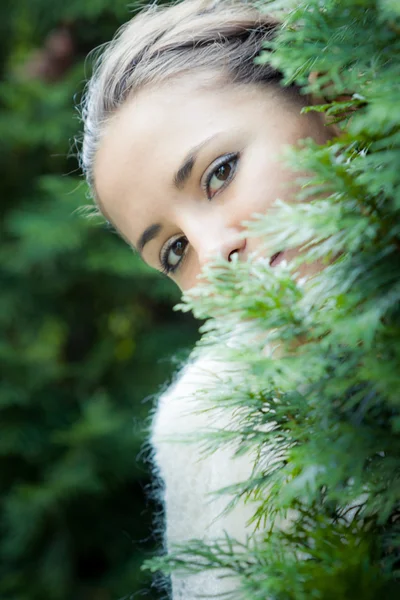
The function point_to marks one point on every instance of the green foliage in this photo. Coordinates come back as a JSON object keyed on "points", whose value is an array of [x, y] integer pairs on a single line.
{"points": [[86, 334], [315, 561], [319, 358]]}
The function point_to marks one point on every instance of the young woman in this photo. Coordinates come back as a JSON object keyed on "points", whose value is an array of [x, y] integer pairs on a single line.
{"points": [[182, 143]]}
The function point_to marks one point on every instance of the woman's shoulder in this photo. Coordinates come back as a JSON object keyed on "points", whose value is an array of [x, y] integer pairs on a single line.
{"points": [[190, 476], [184, 417], [185, 403]]}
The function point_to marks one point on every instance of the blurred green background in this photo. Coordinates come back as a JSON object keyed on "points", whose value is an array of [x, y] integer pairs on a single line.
{"points": [[87, 333]]}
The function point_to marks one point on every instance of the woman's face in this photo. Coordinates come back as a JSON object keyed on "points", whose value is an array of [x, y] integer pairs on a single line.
{"points": [[181, 166]]}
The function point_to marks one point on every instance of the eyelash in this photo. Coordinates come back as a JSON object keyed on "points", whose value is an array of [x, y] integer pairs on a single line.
{"points": [[217, 164], [166, 268]]}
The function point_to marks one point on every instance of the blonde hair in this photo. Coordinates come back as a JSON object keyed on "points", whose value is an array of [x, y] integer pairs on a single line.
{"points": [[163, 42]]}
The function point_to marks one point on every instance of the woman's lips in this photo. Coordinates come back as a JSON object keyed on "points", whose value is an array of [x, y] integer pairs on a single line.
{"points": [[276, 259]]}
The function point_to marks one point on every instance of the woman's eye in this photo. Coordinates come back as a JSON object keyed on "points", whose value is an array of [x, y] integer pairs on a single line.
{"points": [[173, 253], [220, 174]]}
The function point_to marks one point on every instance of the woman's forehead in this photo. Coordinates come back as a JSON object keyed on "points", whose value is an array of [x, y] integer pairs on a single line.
{"points": [[162, 123], [153, 130]]}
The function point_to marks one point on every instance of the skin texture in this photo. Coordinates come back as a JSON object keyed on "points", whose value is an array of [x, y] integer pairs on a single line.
{"points": [[147, 141]]}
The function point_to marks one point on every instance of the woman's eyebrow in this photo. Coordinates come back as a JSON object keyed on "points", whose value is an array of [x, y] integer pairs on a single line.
{"points": [[185, 170], [148, 234]]}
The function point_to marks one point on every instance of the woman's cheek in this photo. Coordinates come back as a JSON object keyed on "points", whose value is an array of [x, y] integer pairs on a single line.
{"points": [[188, 273]]}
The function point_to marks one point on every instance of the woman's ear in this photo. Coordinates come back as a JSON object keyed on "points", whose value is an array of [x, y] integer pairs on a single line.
{"points": [[312, 79], [320, 99]]}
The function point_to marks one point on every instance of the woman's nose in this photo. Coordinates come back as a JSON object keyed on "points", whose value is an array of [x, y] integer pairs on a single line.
{"points": [[224, 244]]}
